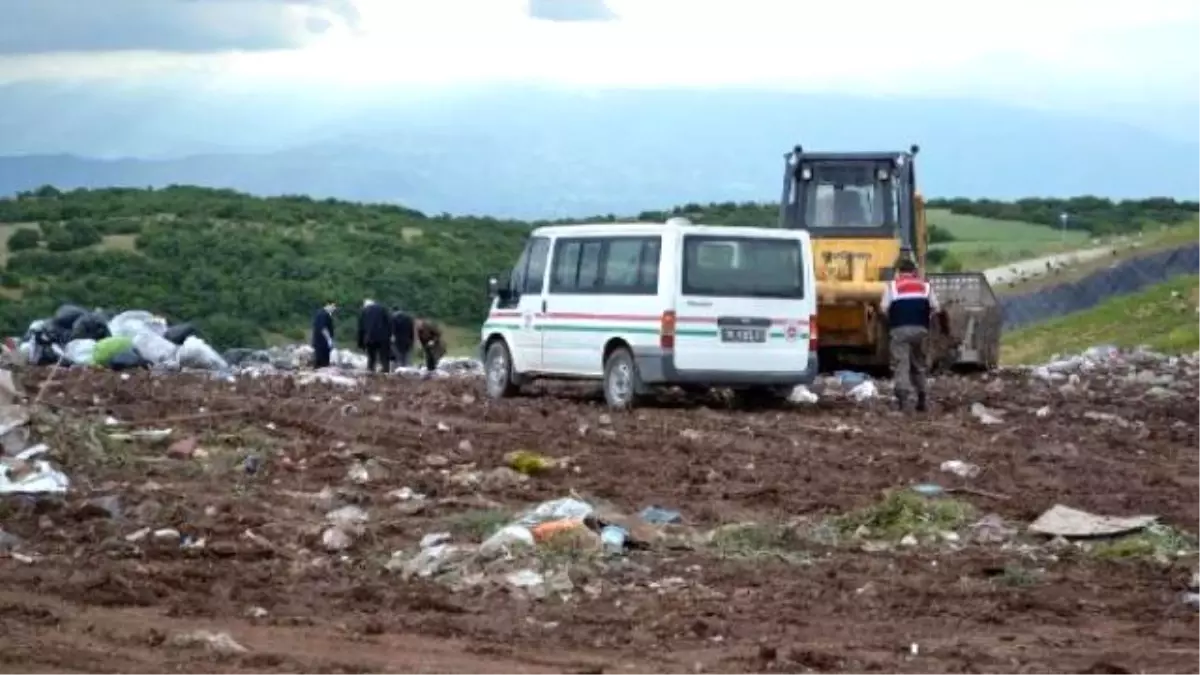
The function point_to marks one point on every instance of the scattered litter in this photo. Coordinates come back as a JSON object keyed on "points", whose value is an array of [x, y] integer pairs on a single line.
{"points": [[151, 435], [434, 539], [557, 509], [524, 578], [985, 415], [25, 475], [802, 394], [506, 540], [928, 489], [656, 515], [991, 529], [1063, 521], [960, 468], [528, 463], [864, 391], [1043, 411], [850, 378], [613, 538], [218, 643]]}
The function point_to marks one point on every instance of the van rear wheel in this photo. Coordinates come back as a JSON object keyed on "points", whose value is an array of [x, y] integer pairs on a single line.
{"points": [[621, 380], [498, 371]]}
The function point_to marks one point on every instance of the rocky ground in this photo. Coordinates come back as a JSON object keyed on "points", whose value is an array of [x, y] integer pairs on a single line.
{"points": [[279, 527]]}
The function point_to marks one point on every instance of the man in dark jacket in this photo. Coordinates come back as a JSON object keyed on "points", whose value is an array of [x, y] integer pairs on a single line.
{"points": [[430, 337], [322, 334], [910, 305], [403, 333], [375, 335]]}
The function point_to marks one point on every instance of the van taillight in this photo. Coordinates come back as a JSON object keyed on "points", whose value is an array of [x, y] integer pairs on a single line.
{"points": [[812, 333], [666, 330]]}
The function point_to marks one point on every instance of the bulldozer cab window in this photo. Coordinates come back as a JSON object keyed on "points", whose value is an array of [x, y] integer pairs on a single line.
{"points": [[843, 206], [848, 196]]}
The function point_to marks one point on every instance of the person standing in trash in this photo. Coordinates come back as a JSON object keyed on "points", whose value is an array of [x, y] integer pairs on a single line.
{"points": [[322, 334], [375, 335], [403, 332], [429, 336], [910, 305]]}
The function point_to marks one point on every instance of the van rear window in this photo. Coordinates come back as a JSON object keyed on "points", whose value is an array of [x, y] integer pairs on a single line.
{"points": [[742, 267]]}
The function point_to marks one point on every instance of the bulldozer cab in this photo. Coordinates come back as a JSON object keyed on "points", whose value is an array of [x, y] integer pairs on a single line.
{"points": [[847, 195]]}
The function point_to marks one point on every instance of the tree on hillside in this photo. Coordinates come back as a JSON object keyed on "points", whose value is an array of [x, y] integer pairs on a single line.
{"points": [[24, 239]]}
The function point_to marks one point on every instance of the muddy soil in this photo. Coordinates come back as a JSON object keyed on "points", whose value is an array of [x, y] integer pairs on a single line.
{"points": [[88, 594]]}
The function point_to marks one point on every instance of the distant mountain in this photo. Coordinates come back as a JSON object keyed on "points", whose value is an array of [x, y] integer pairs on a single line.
{"points": [[532, 152]]}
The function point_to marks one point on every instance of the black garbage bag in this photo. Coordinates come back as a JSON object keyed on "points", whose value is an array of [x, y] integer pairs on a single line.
{"points": [[44, 351], [90, 326], [180, 332], [66, 316], [128, 360], [40, 325]]}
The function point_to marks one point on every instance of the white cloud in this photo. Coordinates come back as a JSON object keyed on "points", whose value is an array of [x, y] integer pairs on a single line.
{"points": [[1038, 51]]}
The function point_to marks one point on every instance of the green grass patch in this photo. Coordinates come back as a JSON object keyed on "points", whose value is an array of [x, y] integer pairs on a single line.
{"points": [[478, 524], [1016, 576], [1155, 542], [903, 512], [759, 540], [980, 243], [978, 229], [1162, 317]]}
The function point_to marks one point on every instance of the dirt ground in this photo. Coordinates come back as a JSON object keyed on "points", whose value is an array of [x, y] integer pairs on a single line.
{"points": [[87, 594]]}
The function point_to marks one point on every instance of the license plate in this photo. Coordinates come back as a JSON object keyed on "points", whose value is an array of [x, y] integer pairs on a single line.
{"points": [[743, 335]]}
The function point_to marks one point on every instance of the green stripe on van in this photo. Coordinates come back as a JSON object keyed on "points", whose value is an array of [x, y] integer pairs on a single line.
{"points": [[616, 328]]}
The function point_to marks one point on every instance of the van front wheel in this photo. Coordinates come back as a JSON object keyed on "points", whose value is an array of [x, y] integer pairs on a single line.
{"points": [[498, 371], [621, 380]]}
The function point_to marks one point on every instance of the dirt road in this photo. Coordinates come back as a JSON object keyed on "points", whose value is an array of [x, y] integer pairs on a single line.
{"points": [[90, 589]]}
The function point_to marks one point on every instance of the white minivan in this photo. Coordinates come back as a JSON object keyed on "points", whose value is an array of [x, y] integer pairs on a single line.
{"points": [[640, 305]]}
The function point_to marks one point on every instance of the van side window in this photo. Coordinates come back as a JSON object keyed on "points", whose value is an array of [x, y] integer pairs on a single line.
{"points": [[631, 266], [527, 274], [588, 279], [539, 252], [566, 265], [612, 265]]}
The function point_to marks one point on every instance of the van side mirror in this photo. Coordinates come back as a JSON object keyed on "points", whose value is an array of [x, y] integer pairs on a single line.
{"points": [[498, 287]]}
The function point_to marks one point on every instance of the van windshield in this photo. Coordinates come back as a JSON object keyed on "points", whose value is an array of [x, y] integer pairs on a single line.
{"points": [[742, 267]]}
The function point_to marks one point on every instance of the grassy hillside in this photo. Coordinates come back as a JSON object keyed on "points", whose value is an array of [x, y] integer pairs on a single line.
{"points": [[249, 270], [980, 243], [1163, 316]]}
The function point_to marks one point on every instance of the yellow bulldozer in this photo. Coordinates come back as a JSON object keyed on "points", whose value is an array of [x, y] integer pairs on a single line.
{"points": [[864, 214]]}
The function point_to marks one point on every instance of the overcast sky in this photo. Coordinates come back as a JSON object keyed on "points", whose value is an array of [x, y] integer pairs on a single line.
{"points": [[1073, 54]]}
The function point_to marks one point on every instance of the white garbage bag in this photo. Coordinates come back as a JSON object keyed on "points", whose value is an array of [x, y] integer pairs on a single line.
{"points": [[80, 351], [153, 347], [196, 353], [129, 324]]}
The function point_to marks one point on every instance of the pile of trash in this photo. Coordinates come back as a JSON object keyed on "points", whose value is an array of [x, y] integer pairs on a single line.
{"points": [[291, 358], [75, 336], [1139, 365], [567, 527], [22, 469]]}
